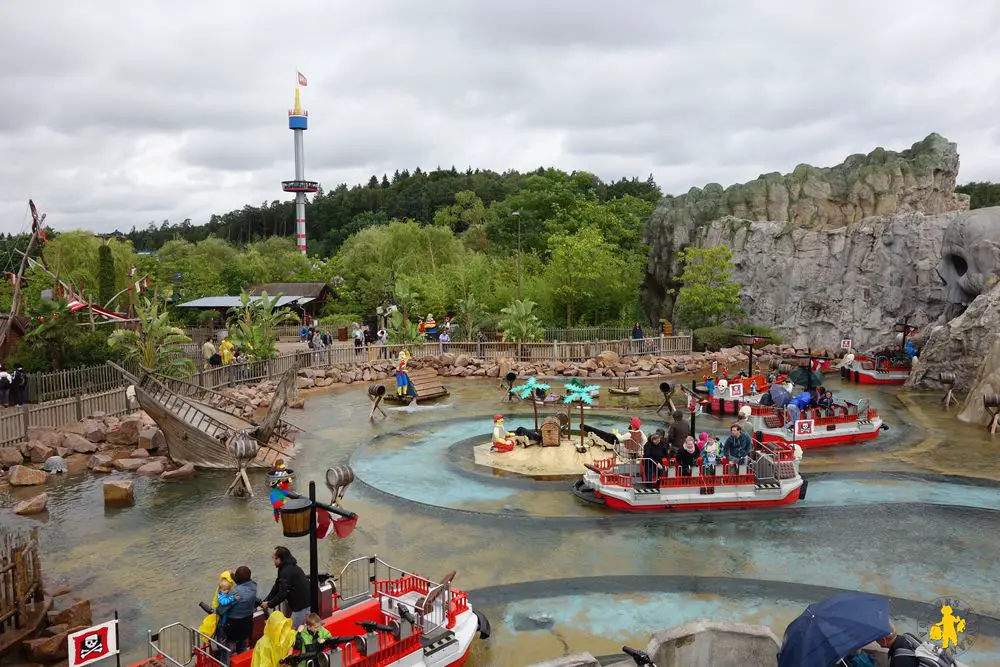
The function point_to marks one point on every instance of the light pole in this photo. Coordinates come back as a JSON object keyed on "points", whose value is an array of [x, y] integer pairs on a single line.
{"points": [[518, 215]]}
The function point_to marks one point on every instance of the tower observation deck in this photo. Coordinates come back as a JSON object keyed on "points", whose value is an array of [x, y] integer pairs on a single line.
{"points": [[298, 123]]}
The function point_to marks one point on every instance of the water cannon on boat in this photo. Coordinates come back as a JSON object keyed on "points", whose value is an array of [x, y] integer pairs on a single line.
{"points": [[668, 395], [948, 379]]}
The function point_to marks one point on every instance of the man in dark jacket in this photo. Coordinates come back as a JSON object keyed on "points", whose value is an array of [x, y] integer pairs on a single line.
{"points": [[291, 585], [678, 432]]}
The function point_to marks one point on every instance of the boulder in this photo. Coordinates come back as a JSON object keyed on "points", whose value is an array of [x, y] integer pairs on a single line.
{"points": [[608, 358], [76, 615], [297, 404], [987, 381], [151, 469], [186, 470], [447, 359], [463, 360], [94, 430], [47, 649], [128, 465], [19, 475], [45, 435], [505, 365], [324, 382], [151, 439], [80, 444], [34, 505], [139, 454], [126, 433], [119, 492], [38, 452], [99, 461], [304, 382], [10, 456]]}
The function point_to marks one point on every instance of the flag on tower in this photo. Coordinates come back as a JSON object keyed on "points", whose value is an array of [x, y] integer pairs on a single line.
{"points": [[302, 79]]}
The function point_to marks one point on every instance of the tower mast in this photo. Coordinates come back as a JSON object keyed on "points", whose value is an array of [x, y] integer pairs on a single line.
{"points": [[298, 123]]}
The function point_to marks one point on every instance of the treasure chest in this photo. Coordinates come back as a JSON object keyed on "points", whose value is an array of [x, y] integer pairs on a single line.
{"points": [[550, 432]]}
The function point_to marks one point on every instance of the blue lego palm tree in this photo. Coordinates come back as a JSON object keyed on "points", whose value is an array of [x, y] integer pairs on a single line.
{"points": [[530, 388], [577, 392]]}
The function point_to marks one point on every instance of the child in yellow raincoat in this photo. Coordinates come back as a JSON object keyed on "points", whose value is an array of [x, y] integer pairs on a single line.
{"points": [[223, 599], [276, 643], [226, 349]]}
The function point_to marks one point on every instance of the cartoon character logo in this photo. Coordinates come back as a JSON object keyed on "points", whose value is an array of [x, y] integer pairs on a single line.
{"points": [[950, 624]]}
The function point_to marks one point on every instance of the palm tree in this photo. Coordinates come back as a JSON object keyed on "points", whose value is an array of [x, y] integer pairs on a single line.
{"points": [[519, 323], [253, 325], [470, 312], [156, 344], [404, 332]]}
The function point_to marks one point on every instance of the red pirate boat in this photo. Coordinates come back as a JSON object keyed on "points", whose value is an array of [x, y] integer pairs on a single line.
{"points": [[377, 614], [642, 485], [888, 366], [849, 424]]}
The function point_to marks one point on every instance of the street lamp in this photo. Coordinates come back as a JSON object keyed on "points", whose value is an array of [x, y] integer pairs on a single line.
{"points": [[298, 519], [518, 215]]}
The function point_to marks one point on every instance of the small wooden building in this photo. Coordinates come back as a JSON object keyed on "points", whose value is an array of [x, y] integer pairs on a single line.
{"points": [[311, 296], [18, 327], [550, 432]]}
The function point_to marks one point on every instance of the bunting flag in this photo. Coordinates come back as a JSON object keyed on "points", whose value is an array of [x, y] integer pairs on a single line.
{"points": [[302, 79]]}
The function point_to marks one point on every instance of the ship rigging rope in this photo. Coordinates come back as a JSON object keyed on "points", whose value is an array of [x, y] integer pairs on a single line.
{"points": [[11, 265]]}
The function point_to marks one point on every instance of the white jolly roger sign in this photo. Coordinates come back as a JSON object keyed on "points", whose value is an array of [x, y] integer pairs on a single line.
{"points": [[93, 644]]}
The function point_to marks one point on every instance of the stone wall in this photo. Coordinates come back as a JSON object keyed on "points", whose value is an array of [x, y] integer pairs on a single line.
{"points": [[883, 183]]}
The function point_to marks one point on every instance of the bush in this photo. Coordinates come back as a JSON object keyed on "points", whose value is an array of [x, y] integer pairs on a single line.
{"points": [[775, 339], [709, 339]]}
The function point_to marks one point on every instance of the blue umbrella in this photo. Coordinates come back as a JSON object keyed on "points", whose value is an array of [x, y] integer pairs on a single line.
{"points": [[829, 630], [779, 395]]}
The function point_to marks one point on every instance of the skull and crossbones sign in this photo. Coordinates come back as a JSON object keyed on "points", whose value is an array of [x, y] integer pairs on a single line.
{"points": [[90, 645]]}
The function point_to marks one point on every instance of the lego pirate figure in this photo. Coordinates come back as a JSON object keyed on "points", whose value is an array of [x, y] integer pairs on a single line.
{"points": [[403, 386], [503, 441]]}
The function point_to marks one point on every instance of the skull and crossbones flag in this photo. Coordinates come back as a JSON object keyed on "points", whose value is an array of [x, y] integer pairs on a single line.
{"points": [[93, 644]]}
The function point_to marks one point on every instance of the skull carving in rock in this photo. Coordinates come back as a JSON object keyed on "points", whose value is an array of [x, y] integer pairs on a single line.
{"points": [[970, 258]]}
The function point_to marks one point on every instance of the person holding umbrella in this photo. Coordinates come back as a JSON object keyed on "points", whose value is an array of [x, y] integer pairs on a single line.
{"points": [[829, 631]]}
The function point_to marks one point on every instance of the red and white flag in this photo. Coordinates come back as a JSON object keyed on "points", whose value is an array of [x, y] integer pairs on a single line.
{"points": [[302, 79]]}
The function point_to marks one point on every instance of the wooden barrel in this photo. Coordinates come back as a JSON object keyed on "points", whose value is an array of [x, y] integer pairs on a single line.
{"points": [[991, 400], [947, 378], [376, 390], [295, 514], [775, 364], [243, 447], [666, 388], [339, 476], [784, 369]]}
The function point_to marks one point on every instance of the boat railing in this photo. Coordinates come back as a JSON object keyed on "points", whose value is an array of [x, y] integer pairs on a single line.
{"points": [[184, 409], [182, 646], [359, 579], [636, 474]]}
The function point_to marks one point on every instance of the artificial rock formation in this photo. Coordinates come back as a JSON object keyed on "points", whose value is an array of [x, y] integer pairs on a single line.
{"points": [[987, 381], [911, 184]]}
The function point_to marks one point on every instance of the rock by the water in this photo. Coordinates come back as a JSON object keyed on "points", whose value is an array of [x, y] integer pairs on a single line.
{"points": [[186, 470], [126, 433], [139, 454], [55, 464], [128, 465], [94, 430], [45, 435], [38, 451], [119, 492], [151, 469], [10, 456], [99, 461], [34, 505], [47, 649], [23, 476], [75, 615], [987, 381], [79, 444]]}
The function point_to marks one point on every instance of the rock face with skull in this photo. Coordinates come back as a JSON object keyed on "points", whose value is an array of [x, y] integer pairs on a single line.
{"points": [[970, 258]]}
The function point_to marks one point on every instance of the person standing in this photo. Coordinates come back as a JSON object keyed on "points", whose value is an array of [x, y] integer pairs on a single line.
{"points": [[239, 622], [5, 384], [207, 352], [291, 586], [444, 338], [383, 340], [19, 389], [359, 335]]}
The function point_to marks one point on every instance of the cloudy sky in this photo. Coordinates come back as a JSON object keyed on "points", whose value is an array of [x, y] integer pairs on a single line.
{"points": [[116, 113]]}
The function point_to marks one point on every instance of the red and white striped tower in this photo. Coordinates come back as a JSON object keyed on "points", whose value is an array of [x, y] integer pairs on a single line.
{"points": [[298, 123]]}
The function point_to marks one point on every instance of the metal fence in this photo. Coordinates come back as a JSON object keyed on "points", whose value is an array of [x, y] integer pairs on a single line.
{"points": [[15, 422]]}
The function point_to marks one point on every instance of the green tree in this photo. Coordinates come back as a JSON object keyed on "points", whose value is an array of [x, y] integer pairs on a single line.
{"points": [[156, 345], [581, 266], [981, 193], [708, 294], [519, 323], [402, 331], [106, 274], [54, 328], [253, 326]]}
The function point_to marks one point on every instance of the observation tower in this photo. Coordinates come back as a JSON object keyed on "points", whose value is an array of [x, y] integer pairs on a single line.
{"points": [[298, 123]]}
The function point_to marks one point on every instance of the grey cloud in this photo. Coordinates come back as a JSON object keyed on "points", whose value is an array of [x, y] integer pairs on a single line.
{"points": [[118, 113]]}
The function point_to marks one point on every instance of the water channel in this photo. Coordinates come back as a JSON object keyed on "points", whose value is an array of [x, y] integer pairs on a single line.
{"points": [[911, 516]]}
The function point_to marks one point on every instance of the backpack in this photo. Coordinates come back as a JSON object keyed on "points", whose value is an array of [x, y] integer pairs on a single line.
{"points": [[4, 381], [926, 655], [20, 378]]}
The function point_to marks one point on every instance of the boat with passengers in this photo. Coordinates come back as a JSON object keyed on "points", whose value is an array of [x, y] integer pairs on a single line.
{"points": [[890, 365], [846, 423], [769, 479], [379, 616]]}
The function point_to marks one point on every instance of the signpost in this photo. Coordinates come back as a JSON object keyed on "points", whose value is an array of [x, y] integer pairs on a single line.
{"points": [[94, 644], [736, 390], [846, 344], [715, 367], [805, 426]]}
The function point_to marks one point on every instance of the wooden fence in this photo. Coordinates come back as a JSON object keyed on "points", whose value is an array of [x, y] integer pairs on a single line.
{"points": [[15, 422], [21, 596]]}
